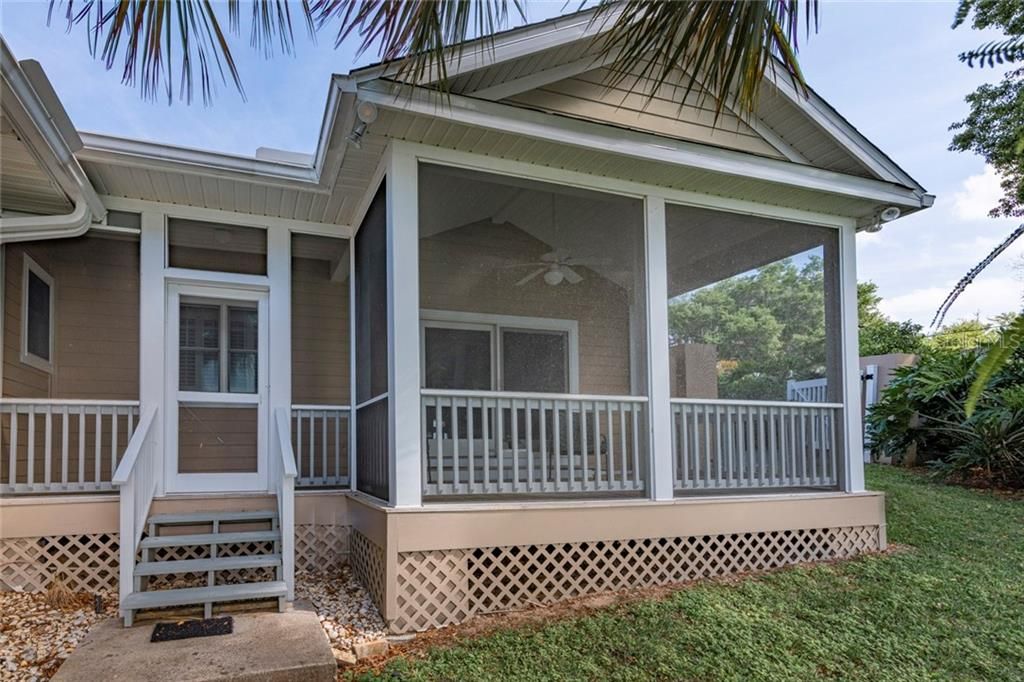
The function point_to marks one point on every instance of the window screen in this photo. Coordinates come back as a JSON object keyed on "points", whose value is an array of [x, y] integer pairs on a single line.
{"points": [[535, 361], [457, 358], [38, 316]]}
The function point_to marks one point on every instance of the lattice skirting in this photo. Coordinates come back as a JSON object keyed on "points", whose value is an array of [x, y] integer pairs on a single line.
{"points": [[89, 563], [437, 588], [86, 563], [369, 566], [320, 547]]}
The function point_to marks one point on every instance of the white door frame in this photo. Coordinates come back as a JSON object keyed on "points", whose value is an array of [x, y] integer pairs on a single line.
{"points": [[212, 482]]}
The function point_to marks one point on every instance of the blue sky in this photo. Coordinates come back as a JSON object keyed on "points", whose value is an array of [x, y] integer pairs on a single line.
{"points": [[888, 67]]}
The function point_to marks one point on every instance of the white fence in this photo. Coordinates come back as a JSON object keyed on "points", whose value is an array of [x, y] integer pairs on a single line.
{"points": [[737, 444], [320, 438], [63, 445], [491, 442]]}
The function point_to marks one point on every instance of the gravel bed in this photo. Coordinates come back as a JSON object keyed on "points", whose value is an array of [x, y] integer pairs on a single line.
{"points": [[346, 611], [35, 638]]}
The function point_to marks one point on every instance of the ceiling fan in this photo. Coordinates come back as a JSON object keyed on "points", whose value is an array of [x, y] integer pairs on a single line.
{"points": [[557, 267]]}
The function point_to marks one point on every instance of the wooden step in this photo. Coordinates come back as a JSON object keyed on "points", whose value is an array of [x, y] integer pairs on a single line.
{"points": [[204, 595], [210, 539], [200, 518], [206, 565]]}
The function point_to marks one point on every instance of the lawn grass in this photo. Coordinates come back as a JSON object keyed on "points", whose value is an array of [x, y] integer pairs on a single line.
{"points": [[952, 607]]}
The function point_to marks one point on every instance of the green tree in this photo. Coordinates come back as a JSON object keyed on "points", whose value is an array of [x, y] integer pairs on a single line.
{"points": [[880, 335], [767, 327], [962, 335]]}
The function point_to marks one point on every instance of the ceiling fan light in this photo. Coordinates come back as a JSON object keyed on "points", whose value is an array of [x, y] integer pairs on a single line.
{"points": [[554, 276]]}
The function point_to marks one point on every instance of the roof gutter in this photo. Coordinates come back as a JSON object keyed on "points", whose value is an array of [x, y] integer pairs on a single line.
{"points": [[36, 113]]}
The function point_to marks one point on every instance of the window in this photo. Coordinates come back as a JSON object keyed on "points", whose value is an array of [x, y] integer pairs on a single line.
{"points": [[37, 305], [467, 351], [218, 347]]}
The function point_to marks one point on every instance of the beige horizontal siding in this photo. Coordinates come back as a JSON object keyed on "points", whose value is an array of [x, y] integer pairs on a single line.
{"points": [[635, 101]]}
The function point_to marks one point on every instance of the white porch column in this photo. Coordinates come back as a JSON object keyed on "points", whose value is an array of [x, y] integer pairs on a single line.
{"points": [[279, 272], [152, 300], [852, 471], [658, 381], [404, 329]]}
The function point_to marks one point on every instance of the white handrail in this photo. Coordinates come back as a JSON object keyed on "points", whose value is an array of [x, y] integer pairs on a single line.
{"points": [[137, 478], [286, 497], [68, 401], [524, 395], [750, 403]]}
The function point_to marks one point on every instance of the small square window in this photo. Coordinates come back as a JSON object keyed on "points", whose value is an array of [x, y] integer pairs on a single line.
{"points": [[37, 316]]}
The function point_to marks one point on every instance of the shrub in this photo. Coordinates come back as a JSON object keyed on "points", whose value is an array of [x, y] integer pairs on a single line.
{"points": [[924, 407]]}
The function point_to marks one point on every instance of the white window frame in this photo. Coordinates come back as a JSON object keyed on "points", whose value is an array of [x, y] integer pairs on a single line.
{"points": [[28, 358], [495, 324]]}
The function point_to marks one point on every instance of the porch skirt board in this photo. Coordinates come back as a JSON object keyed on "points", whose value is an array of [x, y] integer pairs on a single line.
{"points": [[89, 562], [443, 587]]}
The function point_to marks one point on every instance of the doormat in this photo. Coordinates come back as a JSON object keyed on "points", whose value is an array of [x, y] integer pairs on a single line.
{"points": [[185, 629]]}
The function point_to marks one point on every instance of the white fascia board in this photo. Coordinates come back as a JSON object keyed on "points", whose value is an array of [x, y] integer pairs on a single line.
{"points": [[506, 45], [510, 119], [840, 130], [33, 120], [106, 149]]}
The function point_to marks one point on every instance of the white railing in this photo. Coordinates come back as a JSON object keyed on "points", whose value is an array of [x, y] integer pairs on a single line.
{"points": [[63, 445], [487, 442], [807, 390], [137, 476], [320, 436], [745, 444], [285, 480]]}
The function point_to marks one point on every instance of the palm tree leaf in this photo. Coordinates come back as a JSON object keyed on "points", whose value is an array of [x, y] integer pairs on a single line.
{"points": [[997, 356], [940, 314], [147, 37]]}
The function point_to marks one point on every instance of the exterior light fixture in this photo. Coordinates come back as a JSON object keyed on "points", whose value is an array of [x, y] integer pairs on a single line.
{"points": [[366, 113]]}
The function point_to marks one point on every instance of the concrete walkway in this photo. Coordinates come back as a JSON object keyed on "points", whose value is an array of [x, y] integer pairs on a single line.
{"points": [[264, 647]]}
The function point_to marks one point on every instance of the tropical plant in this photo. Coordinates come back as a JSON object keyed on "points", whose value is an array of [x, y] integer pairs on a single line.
{"points": [[729, 45], [922, 410]]}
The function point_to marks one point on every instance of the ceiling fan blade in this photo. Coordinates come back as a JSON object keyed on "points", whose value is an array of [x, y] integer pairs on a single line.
{"points": [[571, 276], [533, 274], [588, 261]]}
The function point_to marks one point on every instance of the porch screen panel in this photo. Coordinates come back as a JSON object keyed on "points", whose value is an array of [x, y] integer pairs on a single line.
{"points": [[217, 439], [371, 340], [321, 279], [199, 245], [755, 351], [534, 324]]}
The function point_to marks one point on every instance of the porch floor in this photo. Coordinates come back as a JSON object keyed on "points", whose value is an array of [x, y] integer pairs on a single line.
{"points": [[270, 647]]}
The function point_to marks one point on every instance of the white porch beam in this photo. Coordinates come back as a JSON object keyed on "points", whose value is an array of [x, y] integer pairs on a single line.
{"points": [[403, 328], [152, 300], [852, 469], [660, 479]]}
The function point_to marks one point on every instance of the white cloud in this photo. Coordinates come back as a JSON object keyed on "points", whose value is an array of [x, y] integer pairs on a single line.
{"points": [[984, 298], [979, 195]]}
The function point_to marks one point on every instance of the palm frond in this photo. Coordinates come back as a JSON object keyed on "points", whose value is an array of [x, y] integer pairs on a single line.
{"points": [[940, 314], [147, 37], [995, 52], [997, 356], [424, 36], [724, 47]]}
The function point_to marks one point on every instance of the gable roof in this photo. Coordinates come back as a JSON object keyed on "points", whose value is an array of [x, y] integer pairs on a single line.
{"points": [[797, 152]]}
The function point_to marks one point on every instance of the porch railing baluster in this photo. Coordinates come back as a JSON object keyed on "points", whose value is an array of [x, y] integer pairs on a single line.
{"points": [[754, 445]]}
